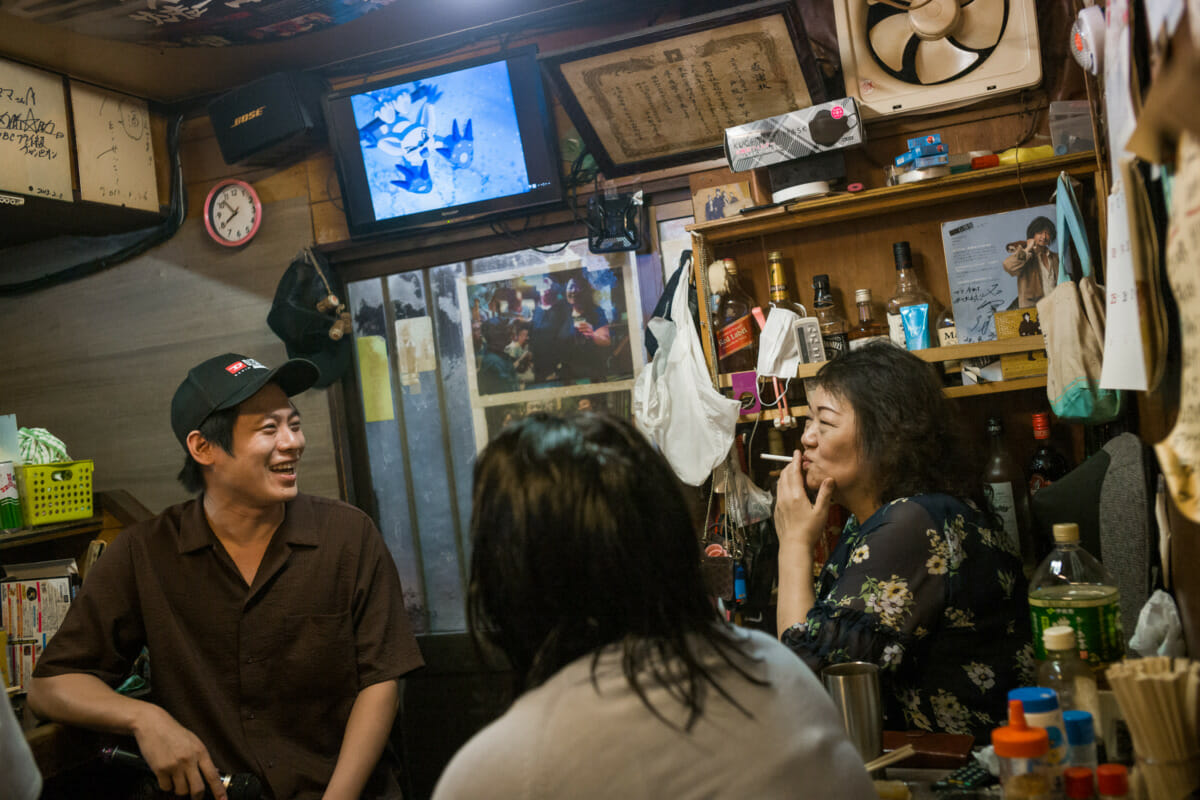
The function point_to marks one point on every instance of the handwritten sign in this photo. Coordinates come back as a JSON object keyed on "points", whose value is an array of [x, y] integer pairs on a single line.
{"points": [[993, 263], [114, 148], [35, 154], [1179, 453]]}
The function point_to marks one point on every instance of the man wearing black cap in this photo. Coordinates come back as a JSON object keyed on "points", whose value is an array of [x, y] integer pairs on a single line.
{"points": [[274, 620]]}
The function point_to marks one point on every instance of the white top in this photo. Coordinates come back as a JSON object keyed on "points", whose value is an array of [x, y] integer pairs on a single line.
{"points": [[567, 738], [19, 776]]}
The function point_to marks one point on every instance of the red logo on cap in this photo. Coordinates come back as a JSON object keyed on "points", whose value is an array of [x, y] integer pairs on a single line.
{"points": [[236, 367]]}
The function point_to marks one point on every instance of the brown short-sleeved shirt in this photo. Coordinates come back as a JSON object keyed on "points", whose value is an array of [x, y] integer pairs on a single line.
{"points": [[264, 675]]}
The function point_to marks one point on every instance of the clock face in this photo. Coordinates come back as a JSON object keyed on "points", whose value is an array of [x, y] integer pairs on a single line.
{"points": [[232, 213]]}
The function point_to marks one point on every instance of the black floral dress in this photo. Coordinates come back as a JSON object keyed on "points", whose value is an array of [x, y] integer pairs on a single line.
{"points": [[927, 590]]}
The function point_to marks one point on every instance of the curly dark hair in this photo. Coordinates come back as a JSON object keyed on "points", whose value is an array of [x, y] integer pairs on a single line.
{"points": [[582, 538], [908, 431]]}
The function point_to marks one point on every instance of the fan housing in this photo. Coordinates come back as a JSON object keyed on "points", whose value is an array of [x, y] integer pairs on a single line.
{"points": [[939, 55]]}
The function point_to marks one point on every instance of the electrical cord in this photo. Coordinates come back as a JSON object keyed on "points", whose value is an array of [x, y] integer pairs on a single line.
{"points": [[155, 235]]}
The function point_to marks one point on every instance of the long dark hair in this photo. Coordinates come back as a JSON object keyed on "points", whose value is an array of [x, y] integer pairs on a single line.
{"points": [[908, 431], [582, 538]]}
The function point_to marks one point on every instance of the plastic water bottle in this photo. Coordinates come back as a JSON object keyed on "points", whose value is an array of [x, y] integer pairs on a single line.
{"points": [[1067, 674], [1070, 587], [1081, 739]]}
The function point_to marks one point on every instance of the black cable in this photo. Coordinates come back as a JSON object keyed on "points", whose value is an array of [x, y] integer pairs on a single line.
{"points": [[155, 236]]}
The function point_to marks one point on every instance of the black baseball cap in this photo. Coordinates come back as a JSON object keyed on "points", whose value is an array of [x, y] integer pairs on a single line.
{"points": [[227, 380]]}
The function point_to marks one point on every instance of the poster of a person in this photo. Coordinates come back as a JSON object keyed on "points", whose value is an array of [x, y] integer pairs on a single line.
{"points": [[1033, 263], [998, 262]]}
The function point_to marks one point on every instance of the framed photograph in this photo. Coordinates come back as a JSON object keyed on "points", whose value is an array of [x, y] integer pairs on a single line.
{"points": [[544, 337], [717, 194], [664, 96], [617, 403]]}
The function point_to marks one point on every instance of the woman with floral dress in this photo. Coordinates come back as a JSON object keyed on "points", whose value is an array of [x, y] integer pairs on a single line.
{"points": [[923, 581]]}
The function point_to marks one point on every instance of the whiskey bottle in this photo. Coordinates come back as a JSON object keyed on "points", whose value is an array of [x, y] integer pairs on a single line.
{"points": [[777, 281], [1009, 495], [1047, 464], [867, 330], [909, 292], [737, 335], [834, 328]]}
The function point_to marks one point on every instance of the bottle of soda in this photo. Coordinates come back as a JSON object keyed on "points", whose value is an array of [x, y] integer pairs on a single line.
{"points": [[1070, 587], [737, 335], [1047, 464]]}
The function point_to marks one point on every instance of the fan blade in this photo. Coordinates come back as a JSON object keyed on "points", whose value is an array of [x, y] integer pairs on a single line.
{"points": [[982, 24], [888, 39], [939, 61]]}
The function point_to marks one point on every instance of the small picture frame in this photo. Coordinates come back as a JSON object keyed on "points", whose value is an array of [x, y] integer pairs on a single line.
{"points": [[719, 193]]}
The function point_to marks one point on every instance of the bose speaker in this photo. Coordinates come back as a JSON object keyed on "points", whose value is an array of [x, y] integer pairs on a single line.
{"points": [[271, 120]]}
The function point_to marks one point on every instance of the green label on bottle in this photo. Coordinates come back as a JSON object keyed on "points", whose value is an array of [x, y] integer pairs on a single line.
{"points": [[1097, 625]]}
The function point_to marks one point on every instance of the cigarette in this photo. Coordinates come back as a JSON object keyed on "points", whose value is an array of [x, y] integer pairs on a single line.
{"points": [[773, 457]]}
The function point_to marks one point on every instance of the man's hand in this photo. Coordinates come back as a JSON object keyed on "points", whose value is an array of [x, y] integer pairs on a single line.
{"points": [[179, 759]]}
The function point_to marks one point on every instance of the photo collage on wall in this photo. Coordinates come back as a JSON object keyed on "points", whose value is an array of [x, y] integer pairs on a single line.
{"points": [[551, 337]]}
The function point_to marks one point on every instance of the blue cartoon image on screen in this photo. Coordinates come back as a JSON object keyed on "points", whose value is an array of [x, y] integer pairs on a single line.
{"points": [[441, 142]]}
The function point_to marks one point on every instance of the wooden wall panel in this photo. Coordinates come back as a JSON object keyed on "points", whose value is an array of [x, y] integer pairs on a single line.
{"points": [[100, 357]]}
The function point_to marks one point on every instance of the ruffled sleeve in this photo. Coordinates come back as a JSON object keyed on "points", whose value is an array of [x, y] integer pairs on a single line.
{"points": [[888, 594]]}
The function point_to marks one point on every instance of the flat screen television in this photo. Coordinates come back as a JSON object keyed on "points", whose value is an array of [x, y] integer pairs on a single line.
{"points": [[453, 144]]}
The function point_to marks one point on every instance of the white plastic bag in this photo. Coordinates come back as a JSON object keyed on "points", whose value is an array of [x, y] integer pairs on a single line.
{"points": [[674, 402]]}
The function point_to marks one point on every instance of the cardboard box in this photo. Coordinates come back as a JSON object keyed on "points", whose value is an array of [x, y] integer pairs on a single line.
{"points": [[1021, 322], [828, 126]]}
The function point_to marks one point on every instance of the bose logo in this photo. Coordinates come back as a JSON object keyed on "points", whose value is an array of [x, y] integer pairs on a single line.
{"points": [[249, 115], [9, 200]]}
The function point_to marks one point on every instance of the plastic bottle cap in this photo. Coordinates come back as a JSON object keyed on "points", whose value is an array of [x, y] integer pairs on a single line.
{"points": [[1081, 730], [1018, 740], [1112, 779], [1078, 783], [1066, 532], [1060, 637], [862, 295], [774, 255], [1034, 699]]}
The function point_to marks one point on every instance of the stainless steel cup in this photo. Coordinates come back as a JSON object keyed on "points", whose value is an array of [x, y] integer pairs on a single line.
{"points": [[854, 687]]}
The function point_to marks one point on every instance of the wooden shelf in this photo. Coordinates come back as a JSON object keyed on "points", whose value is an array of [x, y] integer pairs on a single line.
{"points": [[45, 533], [954, 352], [889, 199], [971, 390]]}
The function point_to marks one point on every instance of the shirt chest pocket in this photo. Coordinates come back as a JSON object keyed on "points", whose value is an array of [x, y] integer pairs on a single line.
{"points": [[318, 653]]}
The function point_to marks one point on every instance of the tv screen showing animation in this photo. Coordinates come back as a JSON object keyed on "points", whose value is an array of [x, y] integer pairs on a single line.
{"points": [[460, 144]]}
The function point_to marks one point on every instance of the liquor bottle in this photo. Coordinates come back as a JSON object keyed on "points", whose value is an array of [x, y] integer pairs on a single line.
{"points": [[1047, 464], [834, 328], [946, 334], [909, 292], [777, 281], [1071, 587], [737, 335], [1010, 495], [867, 330]]}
